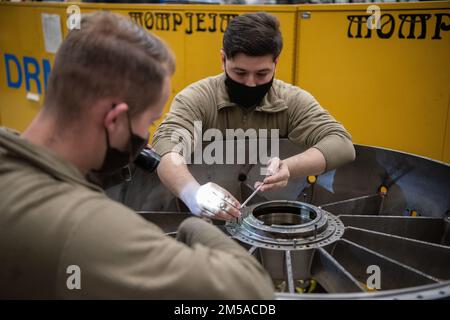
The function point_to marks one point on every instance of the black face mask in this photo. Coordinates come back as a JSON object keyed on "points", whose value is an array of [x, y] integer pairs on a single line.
{"points": [[115, 158], [246, 96]]}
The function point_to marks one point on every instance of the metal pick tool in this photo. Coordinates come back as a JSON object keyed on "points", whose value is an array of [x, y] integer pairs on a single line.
{"points": [[239, 220], [252, 195]]}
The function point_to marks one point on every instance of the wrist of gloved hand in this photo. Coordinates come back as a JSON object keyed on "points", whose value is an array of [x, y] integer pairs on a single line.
{"points": [[188, 196], [210, 200]]}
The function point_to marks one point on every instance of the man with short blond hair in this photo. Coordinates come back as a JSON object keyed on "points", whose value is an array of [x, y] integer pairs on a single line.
{"points": [[61, 237]]}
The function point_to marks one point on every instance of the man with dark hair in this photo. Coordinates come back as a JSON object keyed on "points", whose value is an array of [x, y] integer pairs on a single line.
{"points": [[60, 235], [246, 96]]}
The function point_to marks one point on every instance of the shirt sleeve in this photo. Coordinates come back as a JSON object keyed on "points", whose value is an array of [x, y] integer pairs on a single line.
{"points": [[122, 256], [312, 126], [177, 132]]}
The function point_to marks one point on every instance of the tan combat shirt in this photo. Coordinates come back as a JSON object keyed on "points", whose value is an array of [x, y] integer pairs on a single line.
{"points": [[52, 218], [293, 111]]}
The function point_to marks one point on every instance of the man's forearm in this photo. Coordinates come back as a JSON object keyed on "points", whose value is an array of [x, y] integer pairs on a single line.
{"points": [[174, 174], [310, 162], [208, 200]]}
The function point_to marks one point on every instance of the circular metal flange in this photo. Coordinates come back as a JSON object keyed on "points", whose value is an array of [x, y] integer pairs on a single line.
{"points": [[286, 225]]}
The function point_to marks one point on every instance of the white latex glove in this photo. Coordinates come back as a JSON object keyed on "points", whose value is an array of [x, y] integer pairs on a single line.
{"points": [[212, 201]]}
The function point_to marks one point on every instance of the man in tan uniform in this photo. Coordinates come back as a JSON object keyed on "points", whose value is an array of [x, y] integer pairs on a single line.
{"points": [[60, 236], [247, 96]]}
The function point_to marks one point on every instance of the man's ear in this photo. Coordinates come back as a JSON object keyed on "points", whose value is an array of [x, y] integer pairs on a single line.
{"points": [[276, 63], [276, 60], [113, 114], [222, 57]]}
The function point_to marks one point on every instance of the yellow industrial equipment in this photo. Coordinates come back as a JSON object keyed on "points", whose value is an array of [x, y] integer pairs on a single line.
{"points": [[389, 86]]}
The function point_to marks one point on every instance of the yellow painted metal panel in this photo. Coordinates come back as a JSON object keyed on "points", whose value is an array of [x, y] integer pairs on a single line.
{"points": [[15, 38], [194, 32], [390, 92], [446, 157]]}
